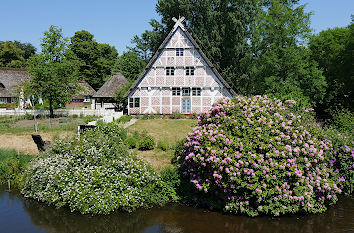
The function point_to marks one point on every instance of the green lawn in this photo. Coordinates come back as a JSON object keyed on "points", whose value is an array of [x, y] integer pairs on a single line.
{"points": [[162, 129]]}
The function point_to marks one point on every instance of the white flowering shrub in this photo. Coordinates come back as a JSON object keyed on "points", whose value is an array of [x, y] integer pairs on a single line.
{"points": [[256, 156], [95, 174]]}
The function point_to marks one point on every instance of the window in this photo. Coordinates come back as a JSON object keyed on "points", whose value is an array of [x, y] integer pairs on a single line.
{"points": [[186, 91], [179, 52], [137, 102], [189, 70], [134, 102], [176, 91], [86, 98], [196, 91], [170, 70]]}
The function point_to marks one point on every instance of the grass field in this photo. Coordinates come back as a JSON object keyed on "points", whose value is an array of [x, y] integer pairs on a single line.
{"points": [[15, 133], [162, 129]]}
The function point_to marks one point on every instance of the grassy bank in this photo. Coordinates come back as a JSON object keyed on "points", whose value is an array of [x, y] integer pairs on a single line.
{"points": [[15, 132], [162, 130], [12, 166]]}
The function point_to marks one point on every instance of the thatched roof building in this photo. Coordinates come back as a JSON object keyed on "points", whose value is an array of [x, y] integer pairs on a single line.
{"points": [[111, 86], [87, 91], [10, 80]]}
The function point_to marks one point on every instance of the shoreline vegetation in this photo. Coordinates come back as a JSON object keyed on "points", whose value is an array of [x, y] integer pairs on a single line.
{"points": [[111, 168]]}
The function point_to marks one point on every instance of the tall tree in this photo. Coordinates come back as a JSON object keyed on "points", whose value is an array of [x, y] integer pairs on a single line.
{"points": [[149, 41], [129, 65], [53, 76], [279, 63], [11, 55], [220, 27], [333, 50], [95, 60], [28, 49]]}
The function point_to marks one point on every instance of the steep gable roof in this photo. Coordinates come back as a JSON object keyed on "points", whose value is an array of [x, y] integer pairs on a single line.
{"points": [[109, 88], [180, 25], [10, 79], [87, 90]]}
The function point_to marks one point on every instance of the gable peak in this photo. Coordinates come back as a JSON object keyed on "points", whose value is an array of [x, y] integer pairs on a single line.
{"points": [[179, 23]]}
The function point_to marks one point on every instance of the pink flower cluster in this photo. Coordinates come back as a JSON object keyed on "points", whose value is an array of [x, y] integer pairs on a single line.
{"points": [[255, 156]]}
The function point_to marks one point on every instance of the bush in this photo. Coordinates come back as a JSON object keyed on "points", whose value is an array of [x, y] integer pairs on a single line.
{"points": [[343, 119], [74, 116], [131, 142], [95, 174], [124, 119], [146, 142], [255, 156], [12, 166], [163, 145], [342, 157]]}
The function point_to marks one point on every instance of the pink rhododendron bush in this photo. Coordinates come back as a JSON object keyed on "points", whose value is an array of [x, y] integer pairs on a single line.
{"points": [[256, 156]]}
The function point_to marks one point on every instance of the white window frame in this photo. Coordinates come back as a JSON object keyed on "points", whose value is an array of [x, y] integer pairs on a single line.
{"points": [[176, 91], [179, 52], [196, 91], [170, 71], [186, 91], [190, 70]]}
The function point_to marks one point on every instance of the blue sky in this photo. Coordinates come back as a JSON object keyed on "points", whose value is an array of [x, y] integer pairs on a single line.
{"points": [[116, 21]]}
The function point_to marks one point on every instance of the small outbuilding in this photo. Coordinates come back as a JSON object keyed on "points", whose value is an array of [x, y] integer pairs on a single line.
{"points": [[11, 81], [84, 97], [104, 97]]}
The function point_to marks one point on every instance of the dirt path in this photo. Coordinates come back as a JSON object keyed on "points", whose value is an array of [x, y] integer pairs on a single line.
{"points": [[131, 122], [23, 142]]}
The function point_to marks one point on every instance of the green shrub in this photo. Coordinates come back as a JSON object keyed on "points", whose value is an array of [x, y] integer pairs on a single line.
{"points": [[131, 142], [28, 116], [342, 157], [124, 119], [175, 116], [163, 145], [343, 119], [74, 116], [12, 166], [146, 142], [89, 118], [95, 174], [256, 156]]}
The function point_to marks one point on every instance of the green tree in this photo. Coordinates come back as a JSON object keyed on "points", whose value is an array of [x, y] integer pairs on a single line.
{"points": [[120, 98], [95, 60], [149, 41], [220, 27], [333, 50], [53, 76], [279, 63], [129, 65], [11, 55], [28, 49]]}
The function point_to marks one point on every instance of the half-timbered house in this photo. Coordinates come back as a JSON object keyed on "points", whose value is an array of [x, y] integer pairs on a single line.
{"points": [[178, 79]]}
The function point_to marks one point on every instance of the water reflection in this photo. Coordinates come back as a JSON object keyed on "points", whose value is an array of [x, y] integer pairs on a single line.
{"points": [[177, 219]]}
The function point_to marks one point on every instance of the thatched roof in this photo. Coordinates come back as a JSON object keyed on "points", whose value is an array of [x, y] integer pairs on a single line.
{"points": [[87, 91], [109, 88], [10, 80]]}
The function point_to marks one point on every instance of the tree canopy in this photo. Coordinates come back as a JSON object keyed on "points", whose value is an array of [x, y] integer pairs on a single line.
{"points": [[333, 50], [15, 54], [129, 65], [95, 60], [53, 76]]}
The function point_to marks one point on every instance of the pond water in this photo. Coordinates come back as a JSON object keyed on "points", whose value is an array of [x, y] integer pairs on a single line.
{"points": [[18, 214]]}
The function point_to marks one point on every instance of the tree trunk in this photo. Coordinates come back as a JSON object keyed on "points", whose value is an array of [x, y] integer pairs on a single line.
{"points": [[51, 111]]}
